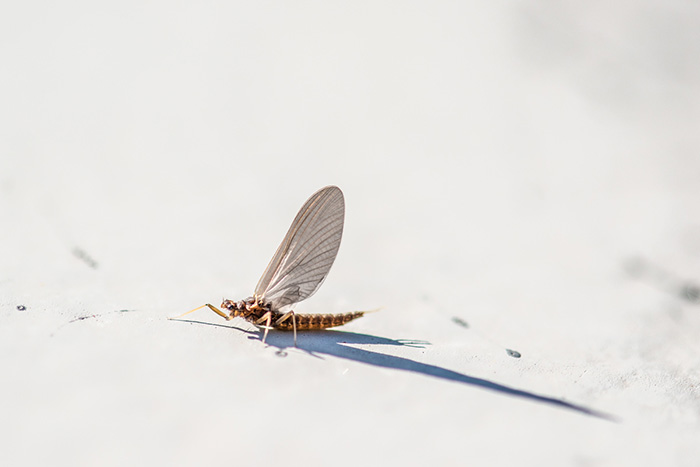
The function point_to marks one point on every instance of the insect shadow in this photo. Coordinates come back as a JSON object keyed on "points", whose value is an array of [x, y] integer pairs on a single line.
{"points": [[338, 344]]}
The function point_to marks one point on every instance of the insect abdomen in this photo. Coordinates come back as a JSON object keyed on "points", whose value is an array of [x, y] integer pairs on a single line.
{"points": [[308, 322]]}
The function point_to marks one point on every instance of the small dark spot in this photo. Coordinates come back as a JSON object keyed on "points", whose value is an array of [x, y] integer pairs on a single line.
{"points": [[80, 318], [460, 322], [691, 293], [87, 259], [281, 353], [21, 307], [513, 353]]}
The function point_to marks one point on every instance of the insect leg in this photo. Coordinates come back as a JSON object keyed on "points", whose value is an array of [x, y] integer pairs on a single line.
{"points": [[266, 317], [294, 323]]}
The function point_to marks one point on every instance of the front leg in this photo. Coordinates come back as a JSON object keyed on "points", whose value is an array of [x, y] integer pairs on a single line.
{"points": [[266, 317], [211, 307], [294, 323]]}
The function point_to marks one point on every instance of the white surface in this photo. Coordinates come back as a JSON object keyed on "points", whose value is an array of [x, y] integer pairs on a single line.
{"points": [[501, 163]]}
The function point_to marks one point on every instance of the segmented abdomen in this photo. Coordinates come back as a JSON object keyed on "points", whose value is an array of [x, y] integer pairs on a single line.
{"points": [[308, 322]]}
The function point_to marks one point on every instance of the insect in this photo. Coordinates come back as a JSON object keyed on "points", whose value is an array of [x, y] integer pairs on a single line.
{"points": [[297, 270]]}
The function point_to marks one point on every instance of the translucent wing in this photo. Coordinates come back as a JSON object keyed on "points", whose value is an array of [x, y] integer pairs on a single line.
{"points": [[306, 254]]}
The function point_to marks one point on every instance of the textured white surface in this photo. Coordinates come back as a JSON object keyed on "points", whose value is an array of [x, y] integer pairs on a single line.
{"points": [[530, 170]]}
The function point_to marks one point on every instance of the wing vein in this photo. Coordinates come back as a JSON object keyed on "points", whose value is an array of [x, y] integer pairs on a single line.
{"points": [[307, 252]]}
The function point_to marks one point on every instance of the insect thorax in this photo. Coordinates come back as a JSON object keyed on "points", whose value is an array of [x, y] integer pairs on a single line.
{"points": [[247, 309]]}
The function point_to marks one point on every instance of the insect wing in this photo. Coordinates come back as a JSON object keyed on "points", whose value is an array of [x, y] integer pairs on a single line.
{"points": [[306, 254]]}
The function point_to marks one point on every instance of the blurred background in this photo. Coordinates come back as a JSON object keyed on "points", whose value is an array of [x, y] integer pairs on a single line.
{"points": [[529, 168]]}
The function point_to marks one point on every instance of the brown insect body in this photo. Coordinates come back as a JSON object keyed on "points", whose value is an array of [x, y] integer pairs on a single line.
{"points": [[297, 269], [250, 311]]}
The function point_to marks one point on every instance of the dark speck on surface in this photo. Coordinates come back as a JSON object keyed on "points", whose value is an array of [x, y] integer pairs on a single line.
{"points": [[460, 322], [692, 293], [87, 259], [21, 307], [513, 353]]}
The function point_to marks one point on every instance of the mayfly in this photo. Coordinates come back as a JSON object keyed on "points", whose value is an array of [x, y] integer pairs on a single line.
{"points": [[297, 270]]}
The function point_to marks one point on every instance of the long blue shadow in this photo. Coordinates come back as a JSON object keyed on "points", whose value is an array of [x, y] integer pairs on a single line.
{"points": [[334, 343]]}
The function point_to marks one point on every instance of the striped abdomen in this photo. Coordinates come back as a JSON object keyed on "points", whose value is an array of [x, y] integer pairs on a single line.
{"points": [[307, 322]]}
